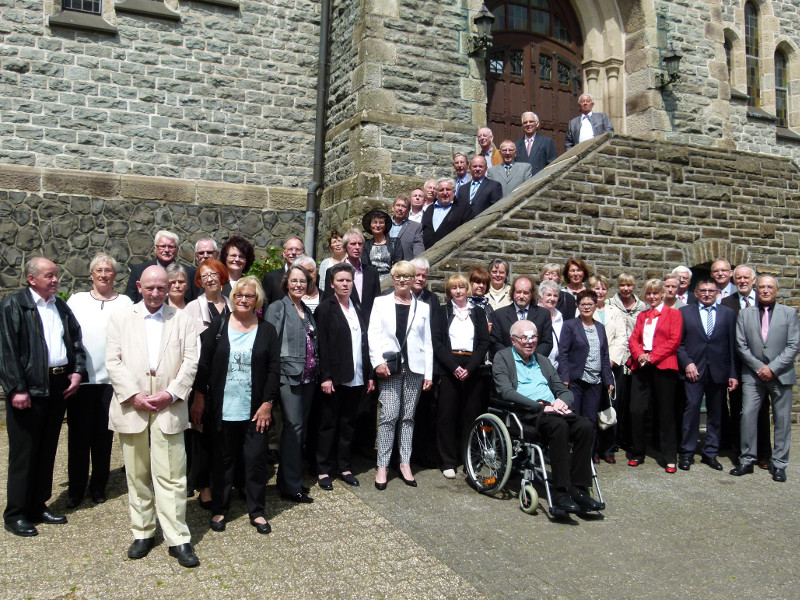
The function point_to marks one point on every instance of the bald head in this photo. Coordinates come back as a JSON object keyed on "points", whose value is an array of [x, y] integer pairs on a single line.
{"points": [[153, 286]]}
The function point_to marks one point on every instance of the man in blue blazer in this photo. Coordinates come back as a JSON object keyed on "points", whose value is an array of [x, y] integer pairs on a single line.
{"points": [[534, 148], [767, 341], [588, 124], [707, 361]]}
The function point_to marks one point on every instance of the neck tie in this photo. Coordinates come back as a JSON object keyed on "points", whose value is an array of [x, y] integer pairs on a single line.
{"points": [[746, 301], [528, 144], [473, 188], [508, 169], [521, 314], [651, 315], [709, 321], [765, 324]]}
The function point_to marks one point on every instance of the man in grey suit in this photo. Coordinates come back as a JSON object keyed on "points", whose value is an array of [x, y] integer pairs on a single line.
{"points": [[588, 124], [510, 174], [534, 148], [767, 340], [408, 233]]}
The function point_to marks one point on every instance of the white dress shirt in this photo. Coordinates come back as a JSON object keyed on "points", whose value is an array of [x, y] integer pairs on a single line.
{"points": [[52, 328], [153, 326]]}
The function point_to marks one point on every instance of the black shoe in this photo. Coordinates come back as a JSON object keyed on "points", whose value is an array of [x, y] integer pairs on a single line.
{"points": [[305, 489], [50, 518], [299, 497], [140, 548], [778, 474], [204, 504], [218, 525], [185, 555], [741, 469], [21, 527], [685, 463], [98, 498], [585, 501], [380, 486], [349, 479], [262, 528], [325, 483], [410, 482], [73, 502], [712, 462], [563, 501]]}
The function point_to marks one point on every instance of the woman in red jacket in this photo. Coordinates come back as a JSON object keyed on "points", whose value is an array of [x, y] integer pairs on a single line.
{"points": [[654, 362]]}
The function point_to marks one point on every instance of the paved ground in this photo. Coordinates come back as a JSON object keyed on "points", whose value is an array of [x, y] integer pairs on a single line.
{"points": [[700, 534]]}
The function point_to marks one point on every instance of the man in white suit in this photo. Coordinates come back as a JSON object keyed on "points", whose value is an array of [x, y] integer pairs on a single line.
{"points": [[588, 124], [510, 173], [151, 356], [767, 340]]}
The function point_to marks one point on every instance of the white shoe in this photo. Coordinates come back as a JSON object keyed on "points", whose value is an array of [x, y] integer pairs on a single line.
{"points": [[449, 473]]}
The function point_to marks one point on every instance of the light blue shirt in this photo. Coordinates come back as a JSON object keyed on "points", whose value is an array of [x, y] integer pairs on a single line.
{"points": [[395, 230], [531, 382], [237, 397], [439, 213]]}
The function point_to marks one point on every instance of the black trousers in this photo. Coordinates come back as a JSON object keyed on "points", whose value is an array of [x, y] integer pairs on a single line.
{"points": [[337, 420], [558, 432], [460, 403], [230, 440], [88, 437], [32, 445], [655, 388]]}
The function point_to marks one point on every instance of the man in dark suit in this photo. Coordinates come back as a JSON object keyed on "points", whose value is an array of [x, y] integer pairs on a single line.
{"points": [[722, 273], [366, 281], [520, 310], [684, 275], [510, 174], [271, 282], [536, 149], [460, 166], [767, 340], [745, 278], [408, 233], [165, 247], [443, 216], [481, 192], [588, 124], [707, 362]]}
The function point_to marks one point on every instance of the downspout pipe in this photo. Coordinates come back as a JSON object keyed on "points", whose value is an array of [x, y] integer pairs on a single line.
{"points": [[319, 134]]}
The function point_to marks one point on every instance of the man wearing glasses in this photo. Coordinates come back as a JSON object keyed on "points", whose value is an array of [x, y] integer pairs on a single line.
{"points": [[165, 247], [205, 248], [706, 358], [721, 272], [528, 379]]}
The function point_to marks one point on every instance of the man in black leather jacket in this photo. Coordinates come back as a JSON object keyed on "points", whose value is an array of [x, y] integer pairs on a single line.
{"points": [[42, 361]]}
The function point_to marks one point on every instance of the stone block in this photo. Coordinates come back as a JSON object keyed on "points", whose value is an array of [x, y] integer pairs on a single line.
{"points": [[157, 188], [20, 178], [103, 185]]}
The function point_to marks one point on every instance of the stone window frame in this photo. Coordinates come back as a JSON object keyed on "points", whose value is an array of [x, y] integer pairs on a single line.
{"points": [[159, 9], [103, 23], [736, 69], [790, 51], [753, 59]]}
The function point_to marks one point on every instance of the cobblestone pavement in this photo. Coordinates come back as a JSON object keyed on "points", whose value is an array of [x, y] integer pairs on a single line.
{"points": [[694, 534]]}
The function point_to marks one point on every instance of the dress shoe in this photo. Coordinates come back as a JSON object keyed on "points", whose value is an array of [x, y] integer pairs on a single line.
{"points": [[449, 473], [21, 527], [741, 469], [410, 482], [763, 464], [73, 502], [712, 462], [670, 469], [325, 483], [299, 497], [634, 462], [50, 518], [596, 459], [185, 555], [349, 479], [218, 525], [584, 500], [610, 459], [204, 504], [563, 501], [140, 548], [380, 486], [305, 489], [98, 498], [778, 474], [262, 528], [685, 463]]}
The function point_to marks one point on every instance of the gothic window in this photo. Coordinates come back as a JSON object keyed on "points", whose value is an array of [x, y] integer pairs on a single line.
{"points": [[781, 90], [533, 16], [751, 36], [729, 58], [88, 6]]}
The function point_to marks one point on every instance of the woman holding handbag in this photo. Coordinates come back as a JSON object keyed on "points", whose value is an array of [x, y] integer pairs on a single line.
{"points": [[400, 345]]}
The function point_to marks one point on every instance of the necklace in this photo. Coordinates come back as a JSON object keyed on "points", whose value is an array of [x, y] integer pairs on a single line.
{"points": [[400, 300], [462, 314]]}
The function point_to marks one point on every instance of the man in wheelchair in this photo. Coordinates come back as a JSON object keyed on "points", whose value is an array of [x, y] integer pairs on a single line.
{"points": [[529, 380]]}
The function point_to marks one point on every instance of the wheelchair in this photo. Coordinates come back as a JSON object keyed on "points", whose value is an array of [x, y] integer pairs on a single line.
{"points": [[499, 444]]}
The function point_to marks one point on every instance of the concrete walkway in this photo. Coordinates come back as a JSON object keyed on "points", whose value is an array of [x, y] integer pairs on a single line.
{"points": [[697, 534]]}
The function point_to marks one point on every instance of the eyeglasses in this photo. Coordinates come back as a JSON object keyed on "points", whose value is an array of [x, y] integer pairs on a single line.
{"points": [[526, 338], [166, 247], [586, 306], [204, 252], [401, 278], [706, 292], [209, 276], [297, 281], [248, 297]]}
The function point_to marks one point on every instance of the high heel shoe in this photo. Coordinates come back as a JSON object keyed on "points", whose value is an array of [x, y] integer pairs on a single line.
{"points": [[380, 486], [411, 482]]}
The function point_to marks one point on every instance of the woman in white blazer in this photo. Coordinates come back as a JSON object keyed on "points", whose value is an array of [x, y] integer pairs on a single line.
{"points": [[399, 323]]}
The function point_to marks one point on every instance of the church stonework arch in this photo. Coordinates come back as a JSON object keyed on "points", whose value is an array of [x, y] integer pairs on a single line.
{"points": [[708, 250]]}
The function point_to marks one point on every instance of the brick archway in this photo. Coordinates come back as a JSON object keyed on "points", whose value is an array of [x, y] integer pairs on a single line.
{"points": [[706, 251]]}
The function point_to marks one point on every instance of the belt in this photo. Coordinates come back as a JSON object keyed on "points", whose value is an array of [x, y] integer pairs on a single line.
{"points": [[152, 373], [57, 371], [462, 352]]}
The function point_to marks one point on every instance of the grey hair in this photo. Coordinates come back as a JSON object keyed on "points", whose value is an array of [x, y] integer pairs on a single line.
{"points": [[517, 325], [102, 257], [163, 233], [421, 263], [350, 234], [174, 269], [548, 285], [205, 240]]}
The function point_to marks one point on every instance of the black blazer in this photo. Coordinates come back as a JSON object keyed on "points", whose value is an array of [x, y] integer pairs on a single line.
{"points": [[443, 351], [132, 292], [573, 350], [716, 354], [334, 342], [489, 192], [505, 317], [272, 286], [212, 370], [371, 289], [543, 152], [456, 216], [566, 305], [395, 250]]}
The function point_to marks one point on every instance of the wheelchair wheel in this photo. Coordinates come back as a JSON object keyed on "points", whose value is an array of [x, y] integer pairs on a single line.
{"points": [[528, 499], [487, 456]]}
